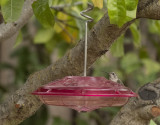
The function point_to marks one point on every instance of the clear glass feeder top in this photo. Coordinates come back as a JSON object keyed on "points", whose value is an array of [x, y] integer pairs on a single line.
{"points": [[84, 93]]}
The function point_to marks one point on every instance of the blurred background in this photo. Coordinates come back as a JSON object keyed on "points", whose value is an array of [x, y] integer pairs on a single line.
{"points": [[134, 57]]}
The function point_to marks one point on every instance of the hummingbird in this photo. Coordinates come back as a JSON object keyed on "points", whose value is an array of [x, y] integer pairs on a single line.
{"points": [[113, 77]]}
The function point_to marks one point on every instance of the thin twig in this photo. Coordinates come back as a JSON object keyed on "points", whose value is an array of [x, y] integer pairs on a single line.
{"points": [[64, 22], [61, 7], [70, 36], [72, 15]]}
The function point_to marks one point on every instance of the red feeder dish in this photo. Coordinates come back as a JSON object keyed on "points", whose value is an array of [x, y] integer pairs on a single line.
{"points": [[84, 93]]}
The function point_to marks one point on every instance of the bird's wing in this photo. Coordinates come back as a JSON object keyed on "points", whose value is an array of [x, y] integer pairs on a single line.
{"points": [[119, 81]]}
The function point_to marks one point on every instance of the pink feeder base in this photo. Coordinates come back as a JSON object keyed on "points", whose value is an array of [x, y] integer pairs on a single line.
{"points": [[84, 93]]}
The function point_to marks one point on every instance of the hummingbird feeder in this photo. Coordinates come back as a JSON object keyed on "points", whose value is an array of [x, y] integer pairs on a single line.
{"points": [[84, 93]]}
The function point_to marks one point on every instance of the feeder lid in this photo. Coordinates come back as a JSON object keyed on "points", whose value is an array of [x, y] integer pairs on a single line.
{"points": [[85, 86]]}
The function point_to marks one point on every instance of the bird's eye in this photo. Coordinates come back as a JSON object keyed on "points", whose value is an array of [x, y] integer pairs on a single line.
{"points": [[112, 73]]}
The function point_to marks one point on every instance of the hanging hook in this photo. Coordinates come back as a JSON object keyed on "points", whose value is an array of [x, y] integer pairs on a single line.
{"points": [[90, 19], [90, 7]]}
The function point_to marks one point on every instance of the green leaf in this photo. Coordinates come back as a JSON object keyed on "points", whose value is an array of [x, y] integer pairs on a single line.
{"points": [[131, 14], [43, 13], [131, 4], [18, 40], [11, 10], [152, 122], [136, 35], [117, 11], [121, 11], [117, 48], [130, 62], [43, 36], [151, 66], [131, 7]]}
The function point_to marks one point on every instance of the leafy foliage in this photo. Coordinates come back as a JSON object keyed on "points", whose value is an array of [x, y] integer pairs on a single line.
{"points": [[131, 4], [121, 11], [43, 13], [117, 11], [11, 9]]}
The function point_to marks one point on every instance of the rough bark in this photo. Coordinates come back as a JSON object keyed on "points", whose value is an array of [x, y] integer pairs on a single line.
{"points": [[21, 104]]}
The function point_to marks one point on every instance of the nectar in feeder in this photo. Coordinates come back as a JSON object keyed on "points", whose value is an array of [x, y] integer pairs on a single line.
{"points": [[84, 93]]}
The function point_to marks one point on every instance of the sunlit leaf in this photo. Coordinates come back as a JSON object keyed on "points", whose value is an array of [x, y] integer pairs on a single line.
{"points": [[152, 122], [43, 36], [136, 35], [151, 66], [121, 11], [43, 13], [131, 7], [117, 48], [117, 11], [131, 14], [98, 3], [19, 39], [11, 10]]}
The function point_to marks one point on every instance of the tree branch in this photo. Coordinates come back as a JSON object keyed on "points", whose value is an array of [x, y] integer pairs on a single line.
{"points": [[61, 7], [140, 110], [22, 104], [9, 29]]}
